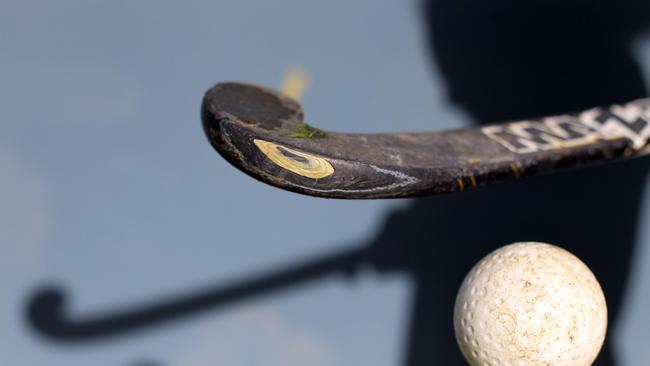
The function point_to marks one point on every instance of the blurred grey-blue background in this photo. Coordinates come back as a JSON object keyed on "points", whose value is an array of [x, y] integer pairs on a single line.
{"points": [[108, 186]]}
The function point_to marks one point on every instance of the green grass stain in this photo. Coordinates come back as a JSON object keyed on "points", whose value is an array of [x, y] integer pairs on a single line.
{"points": [[305, 131], [248, 121]]}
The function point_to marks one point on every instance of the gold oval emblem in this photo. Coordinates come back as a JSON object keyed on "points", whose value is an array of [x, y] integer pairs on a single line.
{"points": [[301, 163]]}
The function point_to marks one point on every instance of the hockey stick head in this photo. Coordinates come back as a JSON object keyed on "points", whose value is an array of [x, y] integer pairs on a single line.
{"points": [[262, 133], [249, 125]]}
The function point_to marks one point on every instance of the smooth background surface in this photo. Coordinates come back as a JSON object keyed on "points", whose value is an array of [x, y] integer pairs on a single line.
{"points": [[109, 187]]}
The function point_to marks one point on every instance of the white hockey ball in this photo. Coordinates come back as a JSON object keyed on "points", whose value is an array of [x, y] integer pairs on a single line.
{"points": [[530, 304]]}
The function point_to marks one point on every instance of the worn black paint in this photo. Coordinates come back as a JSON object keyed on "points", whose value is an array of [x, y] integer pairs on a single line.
{"points": [[375, 165]]}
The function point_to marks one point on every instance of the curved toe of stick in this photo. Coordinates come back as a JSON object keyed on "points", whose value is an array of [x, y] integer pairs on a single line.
{"points": [[250, 105]]}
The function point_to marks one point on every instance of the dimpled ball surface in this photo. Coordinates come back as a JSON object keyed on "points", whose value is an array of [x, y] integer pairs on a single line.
{"points": [[530, 304]]}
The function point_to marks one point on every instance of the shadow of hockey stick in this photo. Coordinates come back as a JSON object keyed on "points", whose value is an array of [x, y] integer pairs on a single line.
{"points": [[47, 309]]}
